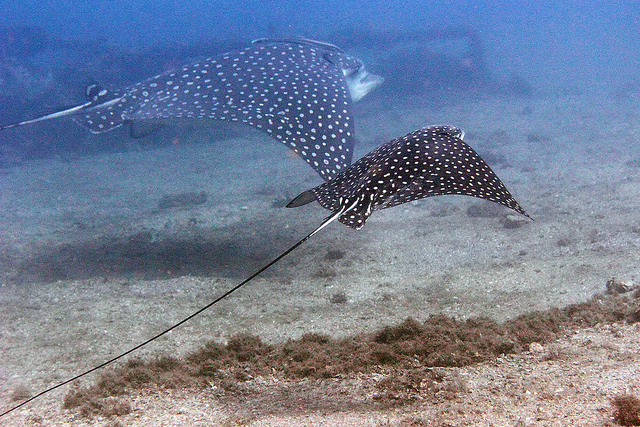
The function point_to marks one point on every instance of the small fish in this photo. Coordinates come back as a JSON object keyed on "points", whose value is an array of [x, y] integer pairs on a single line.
{"points": [[432, 161], [428, 162], [298, 91]]}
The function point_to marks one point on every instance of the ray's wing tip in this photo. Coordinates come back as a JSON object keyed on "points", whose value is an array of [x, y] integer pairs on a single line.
{"points": [[519, 209]]}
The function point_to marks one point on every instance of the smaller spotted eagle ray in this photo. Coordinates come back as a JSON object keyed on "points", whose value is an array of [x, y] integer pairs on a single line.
{"points": [[298, 91], [433, 161], [428, 162]]}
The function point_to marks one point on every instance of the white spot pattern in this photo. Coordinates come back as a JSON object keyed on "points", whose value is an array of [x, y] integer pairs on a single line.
{"points": [[295, 92], [432, 161]]}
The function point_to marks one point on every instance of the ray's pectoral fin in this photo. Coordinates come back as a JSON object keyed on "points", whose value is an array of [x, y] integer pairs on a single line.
{"points": [[355, 217]]}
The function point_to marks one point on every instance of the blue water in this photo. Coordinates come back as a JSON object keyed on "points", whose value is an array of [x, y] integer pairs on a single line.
{"points": [[525, 34], [50, 51], [554, 107]]}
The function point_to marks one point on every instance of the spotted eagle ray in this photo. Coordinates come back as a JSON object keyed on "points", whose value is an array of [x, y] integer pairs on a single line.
{"points": [[298, 91], [432, 161]]}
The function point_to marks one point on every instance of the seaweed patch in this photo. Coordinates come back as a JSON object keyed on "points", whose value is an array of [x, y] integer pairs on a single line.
{"points": [[413, 358]]}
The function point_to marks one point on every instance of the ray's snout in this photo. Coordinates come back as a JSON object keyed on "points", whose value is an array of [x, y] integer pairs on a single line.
{"points": [[361, 82]]}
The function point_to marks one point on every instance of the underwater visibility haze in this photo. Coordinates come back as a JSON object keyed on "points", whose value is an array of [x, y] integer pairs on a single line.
{"points": [[174, 189]]}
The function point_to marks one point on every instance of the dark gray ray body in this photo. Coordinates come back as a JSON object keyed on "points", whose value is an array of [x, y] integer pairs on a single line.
{"points": [[298, 91], [432, 161]]}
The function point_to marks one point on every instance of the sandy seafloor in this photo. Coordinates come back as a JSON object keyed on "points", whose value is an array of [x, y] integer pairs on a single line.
{"points": [[572, 160]]}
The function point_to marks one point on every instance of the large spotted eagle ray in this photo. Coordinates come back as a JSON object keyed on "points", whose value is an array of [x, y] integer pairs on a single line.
{"points": [[432, 161], [298, 91]]}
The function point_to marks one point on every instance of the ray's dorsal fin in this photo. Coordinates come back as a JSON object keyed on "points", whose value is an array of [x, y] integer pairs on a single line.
{"points": [[94, 92]]}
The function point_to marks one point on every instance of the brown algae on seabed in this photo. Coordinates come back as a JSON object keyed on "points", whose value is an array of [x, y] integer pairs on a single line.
{"points": [[409, 357]]}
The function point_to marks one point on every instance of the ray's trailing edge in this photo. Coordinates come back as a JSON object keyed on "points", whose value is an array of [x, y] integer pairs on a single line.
{"points": [[428, 162], [298, 91]]}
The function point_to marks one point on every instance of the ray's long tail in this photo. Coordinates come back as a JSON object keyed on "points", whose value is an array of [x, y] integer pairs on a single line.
{"points": [[326, 222]]}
